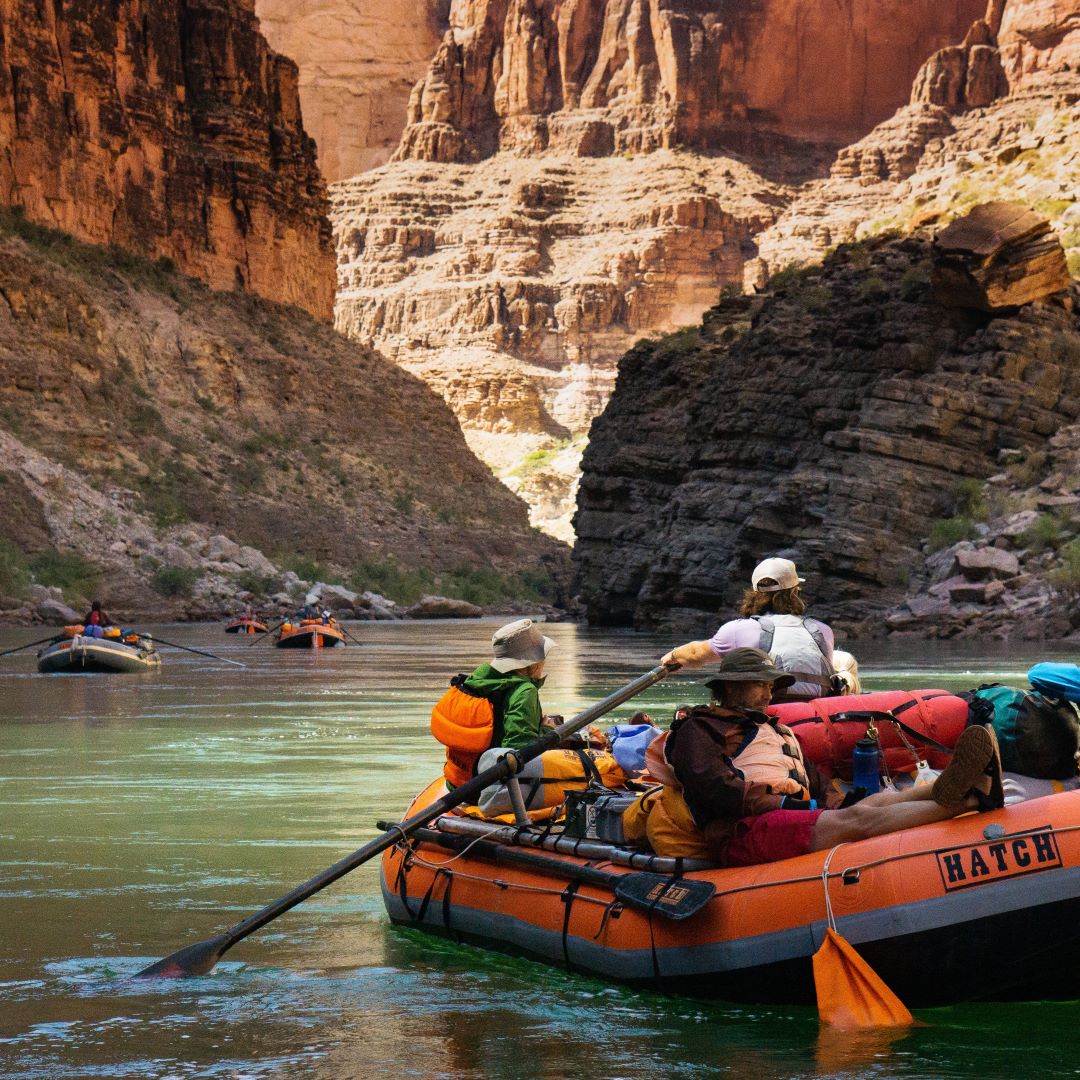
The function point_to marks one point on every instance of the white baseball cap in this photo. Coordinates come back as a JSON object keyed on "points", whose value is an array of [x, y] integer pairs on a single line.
{"points": [[781, 572]]}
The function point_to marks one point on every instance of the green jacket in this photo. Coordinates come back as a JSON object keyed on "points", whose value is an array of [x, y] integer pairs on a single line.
{"points": [[520, 697]]}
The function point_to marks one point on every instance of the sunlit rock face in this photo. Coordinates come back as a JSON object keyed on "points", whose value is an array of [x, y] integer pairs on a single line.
{"points": [[562, 190], [1036, 36], [596, 77], [358, 63], [169, 129]]}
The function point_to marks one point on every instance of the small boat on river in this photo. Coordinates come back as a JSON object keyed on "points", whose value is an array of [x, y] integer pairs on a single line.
{"points": [[310, 634], [980, 907], [80, 653], [245, 625]]}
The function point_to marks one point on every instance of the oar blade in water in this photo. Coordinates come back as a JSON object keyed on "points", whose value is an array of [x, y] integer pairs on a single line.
{"points": [[673, 898], [195, 959]]}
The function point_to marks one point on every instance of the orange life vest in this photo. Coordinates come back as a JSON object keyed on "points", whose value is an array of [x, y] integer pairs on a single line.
{"points": [[464, 722], [773, 757]]}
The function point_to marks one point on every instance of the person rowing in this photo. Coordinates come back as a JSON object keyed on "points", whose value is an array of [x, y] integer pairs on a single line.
{"points": [[773, 618], [497, 705]]}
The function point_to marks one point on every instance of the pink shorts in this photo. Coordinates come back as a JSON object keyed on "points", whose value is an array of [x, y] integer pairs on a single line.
{"points": [[779, 834]]}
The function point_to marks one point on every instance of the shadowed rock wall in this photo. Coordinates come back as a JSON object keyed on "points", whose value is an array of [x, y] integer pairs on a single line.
{"points": [[170, 129], [829, 420]]}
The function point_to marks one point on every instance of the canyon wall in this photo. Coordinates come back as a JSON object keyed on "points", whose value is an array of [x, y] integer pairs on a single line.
{"points": [[563, 189], [834, 419], [194, 447], [604, 76], [358, 63], [170, 130]]}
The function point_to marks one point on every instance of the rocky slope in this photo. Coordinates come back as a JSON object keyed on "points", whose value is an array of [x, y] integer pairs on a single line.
{"points": [[169, 129], [840, 417], [358, 63], [185, 448]]}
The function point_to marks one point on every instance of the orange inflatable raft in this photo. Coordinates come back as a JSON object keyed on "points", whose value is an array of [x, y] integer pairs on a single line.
{"points": [[309, 634], [929, 908]]}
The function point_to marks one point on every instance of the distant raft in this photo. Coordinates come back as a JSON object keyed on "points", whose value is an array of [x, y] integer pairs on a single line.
{"points": [[245, 626], [93, 654], [309, 634]]}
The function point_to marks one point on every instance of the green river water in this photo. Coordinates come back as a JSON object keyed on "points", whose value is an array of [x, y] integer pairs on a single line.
{"points": [[140, 813]]}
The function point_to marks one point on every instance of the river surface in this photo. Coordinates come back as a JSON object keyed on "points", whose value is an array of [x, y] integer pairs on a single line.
{"points": [[141, 813]]}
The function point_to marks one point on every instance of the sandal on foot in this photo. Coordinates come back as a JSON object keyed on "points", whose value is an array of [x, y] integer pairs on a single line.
{"points": [[973, 752]]}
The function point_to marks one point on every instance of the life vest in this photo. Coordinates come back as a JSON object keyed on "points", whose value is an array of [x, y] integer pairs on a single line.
{"points": [[798, 650], [93, 618], [465, 723], [773, 756]]}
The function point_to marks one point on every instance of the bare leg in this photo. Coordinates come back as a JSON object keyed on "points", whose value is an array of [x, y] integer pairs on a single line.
{"points": [[886, 812]]}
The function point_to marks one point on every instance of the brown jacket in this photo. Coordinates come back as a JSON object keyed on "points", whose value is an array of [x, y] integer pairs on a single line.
{"points": [[701, 748]]}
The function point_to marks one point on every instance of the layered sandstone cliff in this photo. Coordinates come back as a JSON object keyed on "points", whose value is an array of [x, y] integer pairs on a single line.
{"points": [[835, 418], [560, 192], [513, 286], [358, 64], [601, 76], [168, 129], [994, 116]]}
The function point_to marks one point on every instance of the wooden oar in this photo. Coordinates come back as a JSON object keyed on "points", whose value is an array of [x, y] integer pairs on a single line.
{"points": [[198, 652], [671, 897], [348, 635], [30, 644], [200, 958], [256, 640]]}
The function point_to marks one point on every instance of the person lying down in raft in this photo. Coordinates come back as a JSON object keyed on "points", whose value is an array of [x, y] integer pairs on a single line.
{"points": [[738, 791]]}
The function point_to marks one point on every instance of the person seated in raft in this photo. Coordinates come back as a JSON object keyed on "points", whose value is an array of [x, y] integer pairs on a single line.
{"points": [[773, 620], [511, 682], [95, 620], [738, 790]]}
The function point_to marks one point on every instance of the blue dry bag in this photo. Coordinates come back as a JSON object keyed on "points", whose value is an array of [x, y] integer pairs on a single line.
{"points": [[1057, 680]]}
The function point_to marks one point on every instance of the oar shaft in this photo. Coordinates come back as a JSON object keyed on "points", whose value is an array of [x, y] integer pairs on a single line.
{"points": [[485, 849], [31, 644], [466, 793], [198, 652], [200, 958]]}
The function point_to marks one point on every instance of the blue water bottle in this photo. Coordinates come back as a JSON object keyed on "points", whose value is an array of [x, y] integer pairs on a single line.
{"points": [[866, 765]]}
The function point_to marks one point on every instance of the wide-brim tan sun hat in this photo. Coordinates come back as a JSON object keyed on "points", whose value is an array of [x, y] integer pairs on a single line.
{"points": [[748, 665], [519, 645]]}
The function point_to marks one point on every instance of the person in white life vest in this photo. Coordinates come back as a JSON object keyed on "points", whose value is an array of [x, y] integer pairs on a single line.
{"points": [[773, 620]]}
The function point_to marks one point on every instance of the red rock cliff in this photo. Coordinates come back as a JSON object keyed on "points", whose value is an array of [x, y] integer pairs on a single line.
{"points": [[168, 128], [605, 76]]}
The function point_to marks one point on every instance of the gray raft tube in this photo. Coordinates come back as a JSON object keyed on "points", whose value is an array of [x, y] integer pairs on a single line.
{"points": [[568, 845]]}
